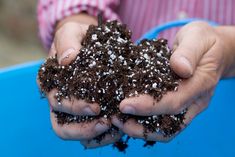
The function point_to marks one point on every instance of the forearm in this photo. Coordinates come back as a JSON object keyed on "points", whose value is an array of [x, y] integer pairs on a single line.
{"points": [[227, 35]]}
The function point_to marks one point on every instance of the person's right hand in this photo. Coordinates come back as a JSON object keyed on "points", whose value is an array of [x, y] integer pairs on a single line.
{"points": [[66, 45], [202, 56]]}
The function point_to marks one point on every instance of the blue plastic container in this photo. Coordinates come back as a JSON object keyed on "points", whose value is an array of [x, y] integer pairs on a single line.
{"points": [[26, 131]]}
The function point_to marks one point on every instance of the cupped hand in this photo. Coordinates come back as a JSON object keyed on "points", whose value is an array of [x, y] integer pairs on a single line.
{"points": [[199, 57], [65, 46]]}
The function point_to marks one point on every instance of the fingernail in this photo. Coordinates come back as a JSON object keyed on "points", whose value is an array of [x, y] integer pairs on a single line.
{"points": [[186, 62], [66, 54], [128, 110], [88, 111], [100, 127]]}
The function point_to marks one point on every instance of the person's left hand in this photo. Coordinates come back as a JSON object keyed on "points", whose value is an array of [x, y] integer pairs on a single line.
{"points": [[200, 57]]}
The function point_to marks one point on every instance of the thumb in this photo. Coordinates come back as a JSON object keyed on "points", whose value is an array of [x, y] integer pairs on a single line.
{"points": [[68, 41], [191, 43]]}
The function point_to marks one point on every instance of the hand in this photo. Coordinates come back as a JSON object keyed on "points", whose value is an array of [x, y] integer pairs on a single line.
{"points": [[107, 138], [66, 45], [202, 54]]}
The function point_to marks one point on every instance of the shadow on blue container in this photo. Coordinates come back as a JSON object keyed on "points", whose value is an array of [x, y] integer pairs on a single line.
{"points": [[26, 131]]}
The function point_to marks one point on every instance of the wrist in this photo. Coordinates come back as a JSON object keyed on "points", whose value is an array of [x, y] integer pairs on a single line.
{"points": [[227, 36], [82, 18]]}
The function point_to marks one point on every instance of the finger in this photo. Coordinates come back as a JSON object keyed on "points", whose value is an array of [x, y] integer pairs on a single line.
{"points": [[172, 102], [52, 52], [68, 41], [192, 42], [108, 138], [194, 109], [136, 130], [79, 131], [73, 106]]}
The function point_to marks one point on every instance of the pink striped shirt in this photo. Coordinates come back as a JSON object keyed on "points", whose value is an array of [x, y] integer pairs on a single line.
{"points": [[139, 15]]}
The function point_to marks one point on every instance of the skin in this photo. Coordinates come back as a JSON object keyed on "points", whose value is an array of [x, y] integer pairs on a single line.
{"points": [[66, 45], [202, 56]]}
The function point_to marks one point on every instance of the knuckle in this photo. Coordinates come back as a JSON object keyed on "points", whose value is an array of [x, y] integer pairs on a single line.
{"points": [[197, 29], [70, 28], [199, 26], [62, 32], [67, 26]]}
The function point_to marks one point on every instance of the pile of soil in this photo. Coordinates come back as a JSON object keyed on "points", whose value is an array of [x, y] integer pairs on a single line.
{"points": [[110, 68]]}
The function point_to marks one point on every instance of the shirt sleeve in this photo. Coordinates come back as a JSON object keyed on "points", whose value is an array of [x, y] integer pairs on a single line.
{"points": [[49, 12]]}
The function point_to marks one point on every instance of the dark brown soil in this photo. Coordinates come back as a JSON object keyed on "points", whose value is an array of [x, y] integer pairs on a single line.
{"points": [[110, 68], [149, 143], [122, 145]]}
